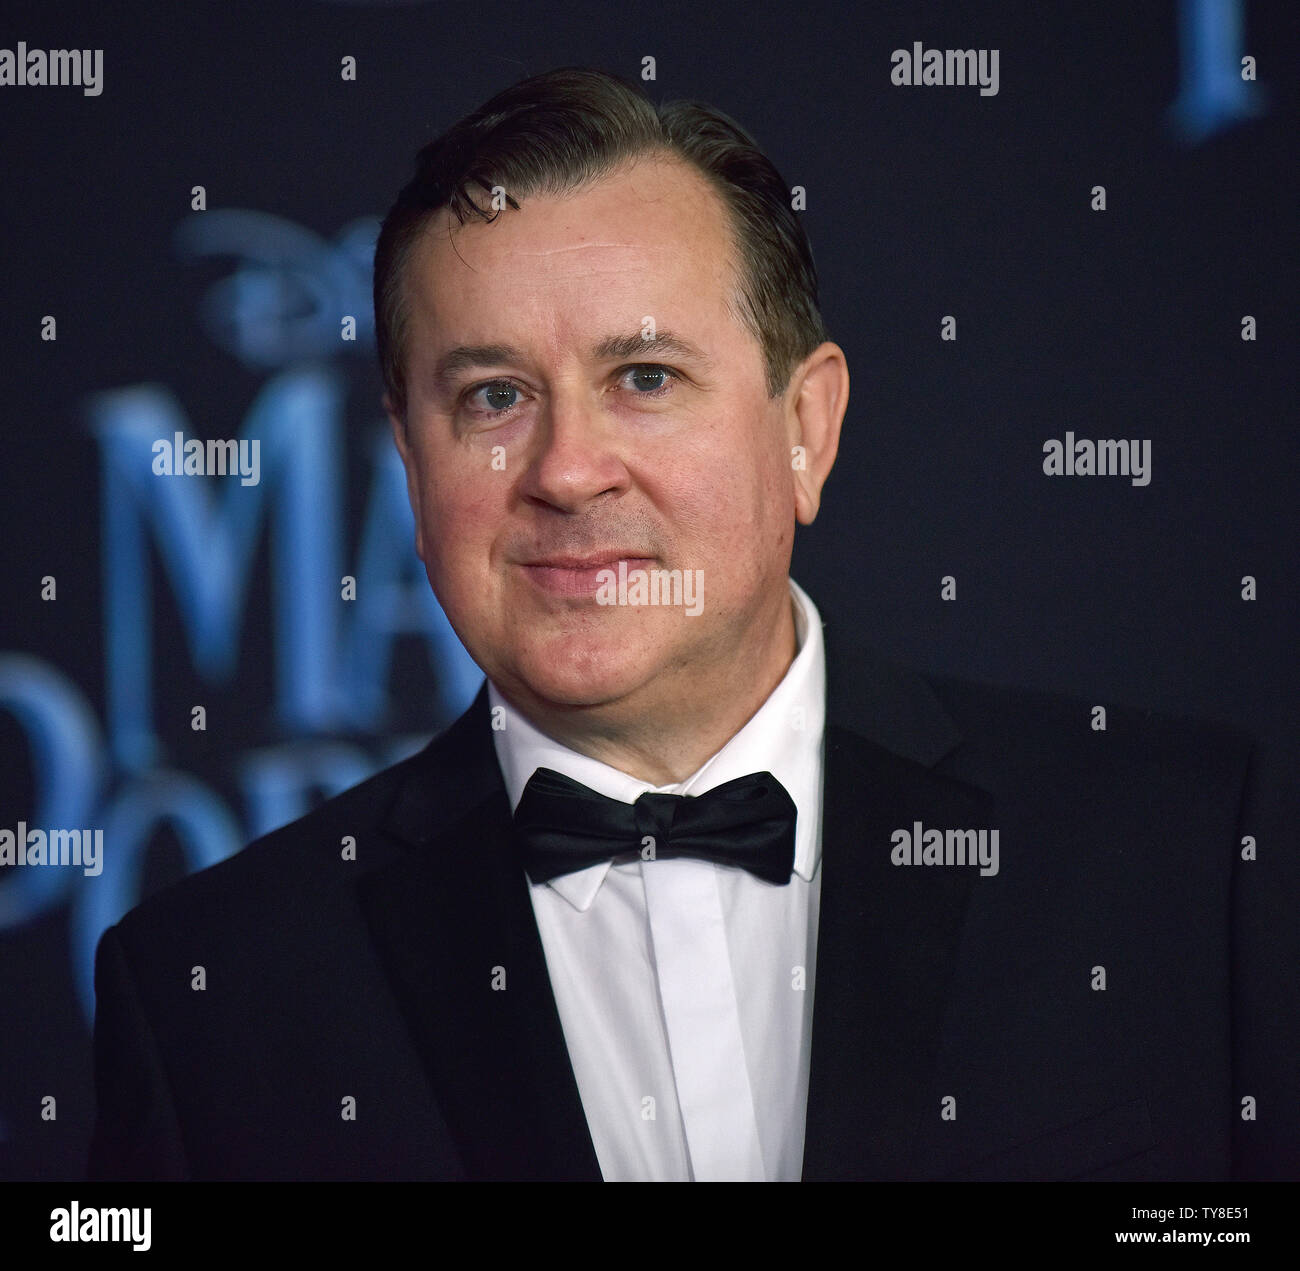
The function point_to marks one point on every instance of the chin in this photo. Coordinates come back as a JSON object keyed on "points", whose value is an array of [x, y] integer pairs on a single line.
{"points": [[584, 672]]}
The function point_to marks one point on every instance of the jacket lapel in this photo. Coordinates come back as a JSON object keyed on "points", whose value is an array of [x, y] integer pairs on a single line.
{"points": [[888, 935], [453, 925]]}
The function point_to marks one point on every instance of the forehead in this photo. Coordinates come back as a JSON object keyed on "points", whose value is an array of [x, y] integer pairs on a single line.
{"points": [[650, 240]]}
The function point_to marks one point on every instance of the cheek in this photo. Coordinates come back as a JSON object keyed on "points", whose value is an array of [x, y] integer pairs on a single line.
{"points": [[745, 487], [727, 506], [462, 514]]}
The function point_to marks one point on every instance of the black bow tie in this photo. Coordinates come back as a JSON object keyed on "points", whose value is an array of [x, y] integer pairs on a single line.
{"points": [[563, 826]]}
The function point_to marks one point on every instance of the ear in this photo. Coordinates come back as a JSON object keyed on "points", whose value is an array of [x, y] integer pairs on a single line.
{"points": [[818, 396], [400, 438]]}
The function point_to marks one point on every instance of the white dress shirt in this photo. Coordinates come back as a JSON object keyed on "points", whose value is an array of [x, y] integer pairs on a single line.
{"points": [[685, 988]]}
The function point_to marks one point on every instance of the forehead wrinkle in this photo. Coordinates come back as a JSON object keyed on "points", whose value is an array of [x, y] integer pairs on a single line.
{"points": [[579, 247]]}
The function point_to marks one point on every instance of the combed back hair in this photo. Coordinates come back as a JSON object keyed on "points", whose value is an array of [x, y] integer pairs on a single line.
{"points": [[558, 132]]}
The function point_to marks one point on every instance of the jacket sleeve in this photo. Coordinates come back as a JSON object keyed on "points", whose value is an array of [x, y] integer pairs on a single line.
{"points": [[137, 1134]]}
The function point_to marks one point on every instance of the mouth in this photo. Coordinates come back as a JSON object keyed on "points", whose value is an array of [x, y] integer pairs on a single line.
{"points": [[579, 576]]}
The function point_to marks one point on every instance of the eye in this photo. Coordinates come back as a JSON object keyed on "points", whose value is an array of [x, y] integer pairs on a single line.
{"points": [[499, 396], [658, 378]]}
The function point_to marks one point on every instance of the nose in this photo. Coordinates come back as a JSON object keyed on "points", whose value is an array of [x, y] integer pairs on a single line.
{"points": [[574, 458]]}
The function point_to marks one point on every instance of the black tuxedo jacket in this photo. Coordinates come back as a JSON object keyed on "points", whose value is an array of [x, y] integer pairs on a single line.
{"points": [[960, 1028]]}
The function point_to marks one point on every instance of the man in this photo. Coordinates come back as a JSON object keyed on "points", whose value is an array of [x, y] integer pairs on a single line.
{"points": [[693, 890]]}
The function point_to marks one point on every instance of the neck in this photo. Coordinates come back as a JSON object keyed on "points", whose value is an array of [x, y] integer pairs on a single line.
{"points": [[692, 717]]}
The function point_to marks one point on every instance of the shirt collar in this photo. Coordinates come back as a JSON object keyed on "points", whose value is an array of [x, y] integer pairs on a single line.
{"points": [[783, 737]]}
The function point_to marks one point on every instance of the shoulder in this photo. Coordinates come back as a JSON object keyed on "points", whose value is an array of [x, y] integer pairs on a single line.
{"points": [[1006, 738], [1075, 766], [314, 863], [290, 871], [1035, 728]]}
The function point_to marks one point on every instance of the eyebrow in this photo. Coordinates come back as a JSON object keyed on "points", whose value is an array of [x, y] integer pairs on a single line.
{"points": [[633, 345]]}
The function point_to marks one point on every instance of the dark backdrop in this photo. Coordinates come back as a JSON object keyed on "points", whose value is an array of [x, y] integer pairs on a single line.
{"points": [[126, 605]]}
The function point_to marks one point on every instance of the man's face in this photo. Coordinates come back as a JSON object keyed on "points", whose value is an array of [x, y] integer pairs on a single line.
{"points": [[547, 453]]}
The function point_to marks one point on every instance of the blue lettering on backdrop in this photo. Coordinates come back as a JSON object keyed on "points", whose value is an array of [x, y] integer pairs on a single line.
{"points": [[67, 752], [1212, 94], [333, 658], [284, 300], [206, 545]]}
